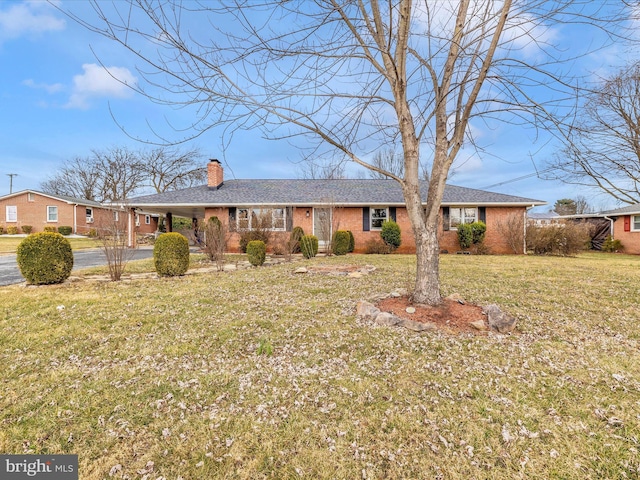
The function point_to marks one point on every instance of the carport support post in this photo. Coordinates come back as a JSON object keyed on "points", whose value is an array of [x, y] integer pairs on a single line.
{"points": [[168, 222], [131, 234]]}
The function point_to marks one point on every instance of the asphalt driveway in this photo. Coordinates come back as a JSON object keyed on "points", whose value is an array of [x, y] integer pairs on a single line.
{"points": [[10, 273]]}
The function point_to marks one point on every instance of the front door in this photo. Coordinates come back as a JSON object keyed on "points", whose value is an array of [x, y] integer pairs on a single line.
{"points": [[322, 227]]}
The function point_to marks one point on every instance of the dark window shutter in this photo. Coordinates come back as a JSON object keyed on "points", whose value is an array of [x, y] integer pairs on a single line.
{"points": [[232, 214], [445, 218], [392, 213], [365, 219], [482, 214], [289, 214], [627, 223]]}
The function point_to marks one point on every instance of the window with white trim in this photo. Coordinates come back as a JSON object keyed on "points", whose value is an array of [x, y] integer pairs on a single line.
{"points": [[30, 197], [267, 218], [635, 223], [378, 217], [89, 214], [11, 213], [52, 213], [460, 215]]}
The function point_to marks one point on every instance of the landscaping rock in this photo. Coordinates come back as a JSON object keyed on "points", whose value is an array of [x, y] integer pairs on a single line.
{"points": [[416, 326], [456, 297], [410, 309], [499, 321], [355, 275], [479, 325], [367, 311], [301, 270], [386, 318]]}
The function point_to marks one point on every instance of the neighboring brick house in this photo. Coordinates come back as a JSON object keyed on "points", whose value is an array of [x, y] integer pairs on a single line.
{"points": [[358, 205], [39, 210], [623, 224]]}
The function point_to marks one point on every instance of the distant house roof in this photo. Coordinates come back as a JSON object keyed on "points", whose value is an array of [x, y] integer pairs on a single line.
{"points": [[542, 215], [309, 193], [62, 198], [628, 210]]}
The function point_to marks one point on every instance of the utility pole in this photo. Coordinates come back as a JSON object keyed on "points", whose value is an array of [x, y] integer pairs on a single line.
{"points": [[11, 175]]}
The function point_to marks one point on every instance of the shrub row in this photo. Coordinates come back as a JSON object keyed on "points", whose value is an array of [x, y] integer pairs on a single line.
{"points": [[27, 229]]}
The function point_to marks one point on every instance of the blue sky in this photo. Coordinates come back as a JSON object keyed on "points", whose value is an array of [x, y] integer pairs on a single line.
{"points": [[58, 103]]}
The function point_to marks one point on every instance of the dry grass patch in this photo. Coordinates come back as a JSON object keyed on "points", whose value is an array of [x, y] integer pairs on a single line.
{"points": [[163, 378]]}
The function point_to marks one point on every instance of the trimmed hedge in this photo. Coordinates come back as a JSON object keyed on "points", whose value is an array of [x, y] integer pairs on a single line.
{"points": [[65, 230], [27, 229], [257, 252], [50, 229], [309, 246], [171, 254], [340, 242], [45, 258]]}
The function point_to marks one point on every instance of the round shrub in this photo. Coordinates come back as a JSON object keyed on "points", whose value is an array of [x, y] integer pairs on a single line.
{"points": [[45, 258], [50, 228], [309, 246], [65, 230], [340, 242], [12, 230], [251, 235], [27, 229], [257, 252], [352, 241], [478, 231], [171, 254], [390, 234]]}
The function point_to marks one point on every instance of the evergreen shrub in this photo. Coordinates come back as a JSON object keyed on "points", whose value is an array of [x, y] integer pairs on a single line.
{"points": [[171, 254], [352, 241], [340, 242], [309, 246], [65, 230], [390, 234], [45, 258], [256, 252]]}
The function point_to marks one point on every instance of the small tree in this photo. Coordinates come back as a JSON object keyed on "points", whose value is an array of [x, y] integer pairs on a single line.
{"points": [[112, 234], [512, 230], [390, 234], [215, 237]]}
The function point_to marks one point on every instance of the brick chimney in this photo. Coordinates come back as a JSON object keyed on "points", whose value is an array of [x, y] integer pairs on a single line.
{"points": [[215, 176]]}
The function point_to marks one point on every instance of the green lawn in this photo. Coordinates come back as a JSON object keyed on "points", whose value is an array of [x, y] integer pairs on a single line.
{"points": [[170, 378], [9, 243]]}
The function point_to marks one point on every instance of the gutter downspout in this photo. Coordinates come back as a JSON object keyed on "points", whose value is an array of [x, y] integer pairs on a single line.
{"points": [[612, 221], [524, 229]]}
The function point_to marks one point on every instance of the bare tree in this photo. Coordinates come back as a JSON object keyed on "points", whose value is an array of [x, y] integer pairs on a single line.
{"points": [[172, 169], [112, 233], [349, 76], [314, 169], [391, 161], [603, 148], [117, 173], [77, 178]]}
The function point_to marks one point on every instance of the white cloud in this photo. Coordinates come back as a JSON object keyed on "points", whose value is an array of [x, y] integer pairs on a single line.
{"points": [[49, 88], [28, 18], [98, 81]]}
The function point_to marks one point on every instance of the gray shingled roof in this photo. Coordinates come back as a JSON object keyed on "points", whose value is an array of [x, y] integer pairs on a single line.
{"points": [[64, 198], [628, 210], [317, 192]]}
